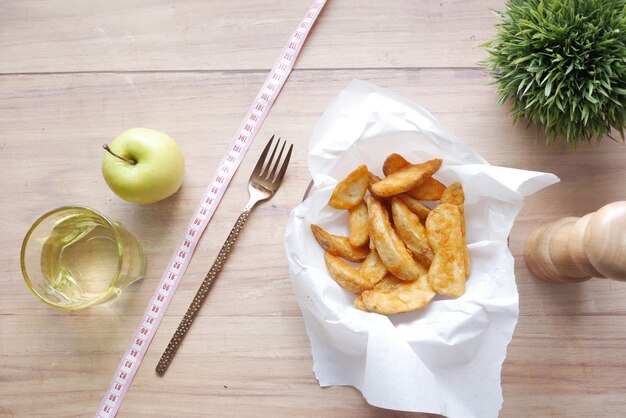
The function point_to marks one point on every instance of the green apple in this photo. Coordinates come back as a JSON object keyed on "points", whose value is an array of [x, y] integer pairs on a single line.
{"points": [[143, 165]]}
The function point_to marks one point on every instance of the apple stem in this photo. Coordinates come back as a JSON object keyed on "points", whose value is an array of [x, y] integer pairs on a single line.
{"points": [[106, 147]]}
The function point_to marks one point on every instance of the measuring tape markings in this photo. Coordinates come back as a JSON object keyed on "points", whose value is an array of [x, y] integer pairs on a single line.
{"points": [[179, 261]]}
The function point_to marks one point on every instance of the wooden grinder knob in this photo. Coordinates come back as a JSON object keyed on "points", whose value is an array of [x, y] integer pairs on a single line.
{"points": [[576, 249]]}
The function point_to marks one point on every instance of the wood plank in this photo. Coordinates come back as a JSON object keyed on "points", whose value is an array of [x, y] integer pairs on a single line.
{"points": [[90, 109], [61, 36], [556, 366], [222, 372], [52, 127], [191, 69], [565, 366]]}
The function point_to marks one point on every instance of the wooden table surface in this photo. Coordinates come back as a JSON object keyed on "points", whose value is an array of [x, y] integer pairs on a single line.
{"points": [[74, 74]]}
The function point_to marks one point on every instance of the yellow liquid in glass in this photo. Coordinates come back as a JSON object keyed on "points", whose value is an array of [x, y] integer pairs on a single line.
{"points": [[84, 262]]}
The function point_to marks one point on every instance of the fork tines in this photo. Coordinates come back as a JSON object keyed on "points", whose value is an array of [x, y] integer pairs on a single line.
{"points": [[266, 168]]}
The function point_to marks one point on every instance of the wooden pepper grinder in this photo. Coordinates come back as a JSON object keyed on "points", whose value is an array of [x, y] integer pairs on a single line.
{"points": [[576, 249]]}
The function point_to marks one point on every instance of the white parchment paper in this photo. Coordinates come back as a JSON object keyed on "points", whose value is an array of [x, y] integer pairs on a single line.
{"points": [[447, 357]]}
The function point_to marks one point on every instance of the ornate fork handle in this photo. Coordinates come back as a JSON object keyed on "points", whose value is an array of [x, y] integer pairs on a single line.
{"points": [[201, 294], [263, 184]]}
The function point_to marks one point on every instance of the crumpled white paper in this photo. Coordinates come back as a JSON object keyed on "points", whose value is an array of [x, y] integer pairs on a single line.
{"points": [[447, 357]]}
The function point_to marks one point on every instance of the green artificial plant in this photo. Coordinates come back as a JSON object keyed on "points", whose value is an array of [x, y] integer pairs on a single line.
{"points": [[562, 66]]}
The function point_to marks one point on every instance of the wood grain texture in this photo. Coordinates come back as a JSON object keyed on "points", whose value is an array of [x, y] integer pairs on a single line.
{"points": [[66, 87], [116, 35]]}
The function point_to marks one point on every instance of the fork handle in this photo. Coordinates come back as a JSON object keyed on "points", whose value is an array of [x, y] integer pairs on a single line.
{"points": [[201, 295]]}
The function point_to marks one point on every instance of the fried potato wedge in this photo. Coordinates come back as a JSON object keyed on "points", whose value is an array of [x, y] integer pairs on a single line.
{"points": [[358, 303], [443, 230], [357, 221], [411, 231], [392, 296], [415, 206], [373, 179], [347, 276], [430, 189], [390, 247], [454, 195], [436, 223], [394, 163], [373, 268], [405, 178], [338, 246], [350, 191]]}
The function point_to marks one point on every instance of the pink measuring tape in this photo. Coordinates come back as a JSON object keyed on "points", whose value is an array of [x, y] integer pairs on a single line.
{"points": [[179, 261]]}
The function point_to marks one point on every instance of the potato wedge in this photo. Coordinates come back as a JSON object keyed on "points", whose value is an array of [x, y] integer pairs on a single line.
{"points": [[338, 246], [350, 191], [405, 178], [415, 206], [436, 223], [454, 195], [430, 189], [373, 268], [411, 231], [358, 303], [393, 163], [357, 221], [347, 276], [447, 271], [392, 296], [390, 247], [372, 179]]}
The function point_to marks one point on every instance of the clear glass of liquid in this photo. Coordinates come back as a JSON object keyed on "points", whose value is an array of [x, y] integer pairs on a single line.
{"points": [[74, 257]]}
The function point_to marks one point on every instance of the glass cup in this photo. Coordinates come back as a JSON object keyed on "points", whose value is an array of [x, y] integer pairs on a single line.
{"points": [[74, 257]]}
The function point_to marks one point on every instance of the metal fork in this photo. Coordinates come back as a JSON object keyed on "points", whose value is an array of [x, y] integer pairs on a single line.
{"points": [[263, 183]]}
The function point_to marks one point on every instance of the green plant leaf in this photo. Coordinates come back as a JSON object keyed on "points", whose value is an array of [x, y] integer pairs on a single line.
{"points": [[548, 88], [562, 66]]}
